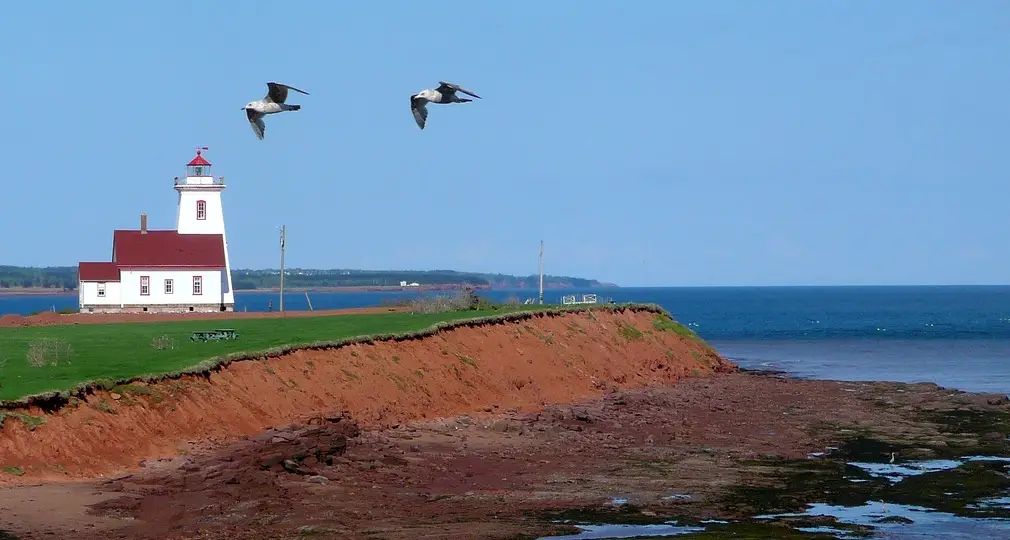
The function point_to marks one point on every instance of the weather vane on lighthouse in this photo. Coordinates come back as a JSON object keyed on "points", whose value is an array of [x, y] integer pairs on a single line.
{"points": [[198, 148]]}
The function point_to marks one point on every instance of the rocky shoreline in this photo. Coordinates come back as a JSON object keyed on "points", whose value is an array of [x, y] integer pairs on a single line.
{"points": [[726, 447]]}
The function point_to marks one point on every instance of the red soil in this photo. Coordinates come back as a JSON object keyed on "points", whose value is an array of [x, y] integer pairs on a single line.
{"points": [[526, 365], [49, 318]]}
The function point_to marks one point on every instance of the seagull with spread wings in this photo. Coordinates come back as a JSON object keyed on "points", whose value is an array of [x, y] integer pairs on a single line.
{"points": [[277, 94], [445, 93]]}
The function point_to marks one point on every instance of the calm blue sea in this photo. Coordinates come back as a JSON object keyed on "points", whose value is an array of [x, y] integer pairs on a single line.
{"points": [[953, 336]]}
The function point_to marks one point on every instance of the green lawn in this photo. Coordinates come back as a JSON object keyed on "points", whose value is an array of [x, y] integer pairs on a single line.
{"points": [[127, 350]]}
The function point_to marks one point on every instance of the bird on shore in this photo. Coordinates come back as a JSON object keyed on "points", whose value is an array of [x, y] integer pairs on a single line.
{"points": [[272, 103], [883, 505], [445, 93]]}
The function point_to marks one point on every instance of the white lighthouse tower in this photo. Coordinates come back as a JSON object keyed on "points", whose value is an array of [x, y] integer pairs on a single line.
{"points": [[202, 212]]}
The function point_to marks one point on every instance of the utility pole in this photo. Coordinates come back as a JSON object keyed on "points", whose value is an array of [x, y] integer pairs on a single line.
{"points": [[283, 231], [541, 272]]}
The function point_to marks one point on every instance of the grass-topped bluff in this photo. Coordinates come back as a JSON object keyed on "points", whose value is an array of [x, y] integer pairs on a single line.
{"points": [[46, 365]]}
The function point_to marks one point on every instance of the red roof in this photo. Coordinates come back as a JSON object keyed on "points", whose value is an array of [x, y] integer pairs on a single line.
{"points": [[98, 271], [167, 249], [198, 161]]}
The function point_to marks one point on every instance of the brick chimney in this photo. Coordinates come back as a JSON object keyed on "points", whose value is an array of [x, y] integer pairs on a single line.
{"points": [[143, 223]]}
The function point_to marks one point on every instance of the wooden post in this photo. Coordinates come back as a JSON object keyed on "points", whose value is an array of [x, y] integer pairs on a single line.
{"points": [[541, 272], [283, 231]]}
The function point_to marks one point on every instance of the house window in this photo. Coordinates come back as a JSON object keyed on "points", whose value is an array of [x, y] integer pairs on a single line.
{"points": [[169, 286], [197, 285], [201, 209], [145, 285], [101, 289]]}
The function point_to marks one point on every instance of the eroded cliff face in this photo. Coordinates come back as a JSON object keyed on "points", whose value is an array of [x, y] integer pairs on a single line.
{"points": [[521, 365]]}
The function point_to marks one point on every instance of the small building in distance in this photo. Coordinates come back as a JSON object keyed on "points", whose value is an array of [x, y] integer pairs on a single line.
{"points": [[167, 271]]}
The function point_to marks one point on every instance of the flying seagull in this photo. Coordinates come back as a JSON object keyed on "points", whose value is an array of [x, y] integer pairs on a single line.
{"points": [[445, 93], [272, 103]]}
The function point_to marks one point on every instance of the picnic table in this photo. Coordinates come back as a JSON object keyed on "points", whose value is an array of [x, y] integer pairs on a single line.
{"points": [[214, 335]]}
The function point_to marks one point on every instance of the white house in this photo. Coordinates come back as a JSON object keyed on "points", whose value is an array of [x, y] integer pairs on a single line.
{"points": [[167, 271]]}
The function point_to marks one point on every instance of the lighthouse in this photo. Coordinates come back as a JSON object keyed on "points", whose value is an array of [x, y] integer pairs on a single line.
{"points": [[167, 271], [201, 211]]}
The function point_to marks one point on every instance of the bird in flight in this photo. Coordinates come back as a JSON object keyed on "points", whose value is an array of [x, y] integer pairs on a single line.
{"points": [[272, 103], [445, 93]]}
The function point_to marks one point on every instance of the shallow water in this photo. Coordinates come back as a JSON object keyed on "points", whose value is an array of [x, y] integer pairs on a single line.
{"points": [[974, 365], [922, 522], [896, 472], [625, 531], [926, 523], [993, 503]]}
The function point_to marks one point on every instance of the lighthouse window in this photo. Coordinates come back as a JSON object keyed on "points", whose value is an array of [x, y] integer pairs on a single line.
{"points": [[201, 210], [199, 171]]}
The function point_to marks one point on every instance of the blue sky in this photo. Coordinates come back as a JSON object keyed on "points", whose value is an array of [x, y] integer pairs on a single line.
{"points": [[647, 143]]}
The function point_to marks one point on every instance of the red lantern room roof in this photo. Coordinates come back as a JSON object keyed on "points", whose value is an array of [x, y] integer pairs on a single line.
{"points": [[198, 161]]}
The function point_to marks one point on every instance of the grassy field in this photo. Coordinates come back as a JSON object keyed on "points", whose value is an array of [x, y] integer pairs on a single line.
{"points": [[38, 360]]}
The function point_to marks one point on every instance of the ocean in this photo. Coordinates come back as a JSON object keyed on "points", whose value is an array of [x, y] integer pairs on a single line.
{"points": [[954, 336]]}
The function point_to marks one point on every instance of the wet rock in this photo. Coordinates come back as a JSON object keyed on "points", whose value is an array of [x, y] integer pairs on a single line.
{"points": [[210, 475], [297, 450], [993, 436], [337, 447], [998, 400], [894, 519], [918, 453], [271, 460], [292, 466], [310, 432], [502, 426], [394, 460], [330, 474]]}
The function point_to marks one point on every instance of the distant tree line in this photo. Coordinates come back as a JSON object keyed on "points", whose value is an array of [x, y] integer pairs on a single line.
{"points": [[295, 277], [65, 278], [49, 277]]}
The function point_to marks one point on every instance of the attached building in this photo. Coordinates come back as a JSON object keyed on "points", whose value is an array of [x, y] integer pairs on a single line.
{"points": [[185, 270]]}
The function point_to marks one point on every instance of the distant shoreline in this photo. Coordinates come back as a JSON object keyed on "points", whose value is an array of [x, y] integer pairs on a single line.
{"points": [[35, 291], [39, 291]]}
